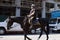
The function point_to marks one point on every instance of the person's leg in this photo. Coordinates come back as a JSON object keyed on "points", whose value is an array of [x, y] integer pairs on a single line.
{"points": [[30, 20]]}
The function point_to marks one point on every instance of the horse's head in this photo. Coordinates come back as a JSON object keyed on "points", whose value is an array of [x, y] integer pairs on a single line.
{"points": [[9, 22]]}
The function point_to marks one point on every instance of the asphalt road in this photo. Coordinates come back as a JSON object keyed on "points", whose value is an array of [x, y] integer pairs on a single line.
{"points": [[33, 37]]}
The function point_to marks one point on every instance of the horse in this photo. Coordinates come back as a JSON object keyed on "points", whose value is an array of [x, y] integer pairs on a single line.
{"points": [[26, 26]]}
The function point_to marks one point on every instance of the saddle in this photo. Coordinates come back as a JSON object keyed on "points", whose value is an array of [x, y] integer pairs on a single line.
{"points": [[35, 21]]}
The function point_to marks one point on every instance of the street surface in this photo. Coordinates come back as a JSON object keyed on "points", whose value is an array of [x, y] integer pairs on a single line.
{"points": [[33, 37]]}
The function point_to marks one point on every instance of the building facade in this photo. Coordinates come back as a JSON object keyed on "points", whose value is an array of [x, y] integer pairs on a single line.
{"points": [[43, 7], [10, 7], [48, 6], [22, 7], [26, 4]]}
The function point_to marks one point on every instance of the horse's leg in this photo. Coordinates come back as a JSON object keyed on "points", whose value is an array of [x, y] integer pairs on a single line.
{"points": [[40, 34], [25, 35], [46, 33], [48, 28], [28, 38], [43, 29], [9, 25]]}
